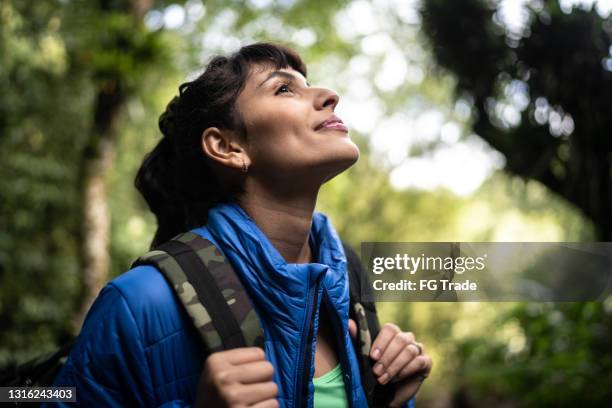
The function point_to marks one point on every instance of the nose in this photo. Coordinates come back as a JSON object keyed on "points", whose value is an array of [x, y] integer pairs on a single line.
{"points": [[325, 98]]}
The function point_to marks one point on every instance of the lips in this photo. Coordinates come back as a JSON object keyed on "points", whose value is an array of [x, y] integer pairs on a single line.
{"points": [[333, 122]]}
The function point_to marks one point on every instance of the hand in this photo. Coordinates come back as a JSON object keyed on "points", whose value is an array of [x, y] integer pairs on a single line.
{"points": [[400, 359], [237, 378]]}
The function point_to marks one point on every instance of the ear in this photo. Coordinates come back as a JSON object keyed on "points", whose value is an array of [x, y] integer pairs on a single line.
{"points": [[223, 147]]}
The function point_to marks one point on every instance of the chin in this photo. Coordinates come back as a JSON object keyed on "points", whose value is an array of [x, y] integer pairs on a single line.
{"points": [[341, 161], [350, 152]]}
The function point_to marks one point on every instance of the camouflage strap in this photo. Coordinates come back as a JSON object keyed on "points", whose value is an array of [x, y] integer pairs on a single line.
{"points": [[364, 314], [365, 338], [210, 291]]}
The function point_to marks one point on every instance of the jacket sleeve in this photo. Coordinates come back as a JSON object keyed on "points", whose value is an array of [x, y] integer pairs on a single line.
{"points": [[107, 363]]}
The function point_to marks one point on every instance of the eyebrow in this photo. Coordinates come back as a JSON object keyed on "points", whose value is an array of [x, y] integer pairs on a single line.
{"points": [[280, 74]]}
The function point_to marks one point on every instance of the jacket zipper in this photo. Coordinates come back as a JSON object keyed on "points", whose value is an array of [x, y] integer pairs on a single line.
{"points": [[344, 360], [305, 359]]}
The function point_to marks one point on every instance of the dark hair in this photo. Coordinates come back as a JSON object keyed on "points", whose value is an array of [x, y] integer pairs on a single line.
{"points": [[175, 178]]}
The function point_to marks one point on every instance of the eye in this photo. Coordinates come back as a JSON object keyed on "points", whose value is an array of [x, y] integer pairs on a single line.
{"points": [[281, 88]]}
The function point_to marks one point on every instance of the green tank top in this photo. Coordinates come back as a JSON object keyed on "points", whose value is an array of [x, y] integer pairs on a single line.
{"points": [[329, 390]]}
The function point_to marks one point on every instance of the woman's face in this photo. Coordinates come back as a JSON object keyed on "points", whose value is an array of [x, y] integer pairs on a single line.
{"points": [[281, 113]]}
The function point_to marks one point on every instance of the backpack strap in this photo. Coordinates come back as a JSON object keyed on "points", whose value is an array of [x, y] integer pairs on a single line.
{"points": [[210, 291], [368, 327], [39, 372]]}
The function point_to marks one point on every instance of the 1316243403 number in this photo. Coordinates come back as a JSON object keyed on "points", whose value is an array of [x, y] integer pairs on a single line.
{"points": [[38, 394]]}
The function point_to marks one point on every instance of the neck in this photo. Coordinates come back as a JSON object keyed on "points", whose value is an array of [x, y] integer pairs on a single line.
{"points": [[286, 221]]}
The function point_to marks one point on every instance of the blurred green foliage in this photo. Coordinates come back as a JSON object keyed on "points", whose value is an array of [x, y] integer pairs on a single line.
{"points": [[559, 354], [39, 143], [55, 55]]}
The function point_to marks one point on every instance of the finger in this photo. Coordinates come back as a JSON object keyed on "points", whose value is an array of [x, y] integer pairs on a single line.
{"points": [[255, 393], [395, 367], [271, 403], [415, 348], [242, 355], [386, 334], [255, 372], [420, 365], [352, 326], [405, 391], [396, 346]]}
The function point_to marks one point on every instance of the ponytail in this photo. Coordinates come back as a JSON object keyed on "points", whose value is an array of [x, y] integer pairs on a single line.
{"points": [[156, 178]]}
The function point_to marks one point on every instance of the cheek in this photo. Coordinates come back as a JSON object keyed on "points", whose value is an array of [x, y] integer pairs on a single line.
{"points": [[280, 150], [279, 137], [284, 141]]}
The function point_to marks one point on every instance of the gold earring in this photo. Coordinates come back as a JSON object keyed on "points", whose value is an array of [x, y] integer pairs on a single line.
{"points": [[244, 167]]}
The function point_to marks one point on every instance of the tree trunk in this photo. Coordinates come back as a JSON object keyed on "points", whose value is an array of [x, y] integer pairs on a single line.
{"points": [[95, 232], [97, 160]]}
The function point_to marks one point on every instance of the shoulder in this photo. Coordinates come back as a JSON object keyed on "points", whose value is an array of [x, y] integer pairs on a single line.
{"points": [[138, 304], [150, 302], [143, 287], [112, 352]]}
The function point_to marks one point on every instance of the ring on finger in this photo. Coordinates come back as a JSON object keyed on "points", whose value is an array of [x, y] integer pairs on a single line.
{"points": [[419, 346]]}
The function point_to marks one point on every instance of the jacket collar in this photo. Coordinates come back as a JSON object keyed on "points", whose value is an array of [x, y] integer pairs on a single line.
{"points": [[250, 250]]}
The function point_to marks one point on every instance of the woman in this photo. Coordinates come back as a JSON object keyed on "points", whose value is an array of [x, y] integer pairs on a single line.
{"points": [[246, 147]]}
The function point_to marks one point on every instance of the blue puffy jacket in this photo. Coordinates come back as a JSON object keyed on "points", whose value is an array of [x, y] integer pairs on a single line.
{"points": [[138, 347]]}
